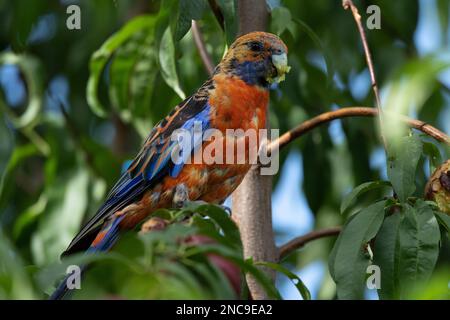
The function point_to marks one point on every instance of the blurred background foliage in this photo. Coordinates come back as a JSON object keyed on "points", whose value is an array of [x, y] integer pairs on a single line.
{"points": [[76, 105]]}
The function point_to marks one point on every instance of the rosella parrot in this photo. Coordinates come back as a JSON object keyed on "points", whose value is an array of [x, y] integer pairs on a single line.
{"points": [[235, 97]]}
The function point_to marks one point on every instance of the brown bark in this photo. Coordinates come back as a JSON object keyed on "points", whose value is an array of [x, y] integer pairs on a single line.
{"points": [[301, 241], [253, 16], [252, 200], [347, 112]]}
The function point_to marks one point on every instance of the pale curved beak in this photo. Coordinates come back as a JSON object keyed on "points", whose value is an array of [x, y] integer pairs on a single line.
{"points": [[281, 64]]}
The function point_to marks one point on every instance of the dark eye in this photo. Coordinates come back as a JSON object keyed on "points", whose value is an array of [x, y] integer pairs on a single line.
{"points": [[277, 51], [255, 46]]}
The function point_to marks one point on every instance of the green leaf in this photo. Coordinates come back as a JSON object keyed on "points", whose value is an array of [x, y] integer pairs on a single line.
{"points": [[188, 10], [223, 220], [54, 272], [63, 216], [19, 154], [443, 219], [350, 261], [132, 73], [419, 238], [101, 57], [6, 149], [14, 282], [386, 256], [434, 154], [245, 265], [301, 287], [333, 254], [403, 156], [215, 278], [29, 216], [229, 11], [167, 62], [358, 191], [282, 21]]}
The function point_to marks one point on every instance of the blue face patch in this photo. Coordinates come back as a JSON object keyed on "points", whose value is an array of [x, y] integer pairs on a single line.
{"points": [[253, 72]]}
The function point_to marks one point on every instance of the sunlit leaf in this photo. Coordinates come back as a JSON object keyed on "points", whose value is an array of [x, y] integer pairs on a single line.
{"points": [[410, 88], [167, 61], [188, 10], [64, 212]]}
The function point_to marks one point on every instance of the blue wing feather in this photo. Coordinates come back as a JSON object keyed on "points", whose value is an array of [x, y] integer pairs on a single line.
{"points": [[151, 164]]}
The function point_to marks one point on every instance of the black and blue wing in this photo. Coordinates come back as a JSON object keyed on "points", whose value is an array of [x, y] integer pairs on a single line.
{"points": [[151, 164]]}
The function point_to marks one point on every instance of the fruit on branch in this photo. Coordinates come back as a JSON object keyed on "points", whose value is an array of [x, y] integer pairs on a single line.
{"points": [[154, 223], [438, 187]]}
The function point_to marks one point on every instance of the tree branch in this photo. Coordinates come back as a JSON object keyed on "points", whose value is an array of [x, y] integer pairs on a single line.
{"points": [[253, 15], [326, 117], [299, 242], [200, 43], [251, 201], [349, 4]]}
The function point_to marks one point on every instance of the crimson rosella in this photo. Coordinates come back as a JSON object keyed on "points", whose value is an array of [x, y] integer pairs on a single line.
{"points": [[235, 97]]}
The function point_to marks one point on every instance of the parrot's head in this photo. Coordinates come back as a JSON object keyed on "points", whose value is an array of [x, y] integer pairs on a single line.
{"points": [[258, 58]]}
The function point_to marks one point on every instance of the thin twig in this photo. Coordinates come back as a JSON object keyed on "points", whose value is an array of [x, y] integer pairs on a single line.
{"points": [[310, 124], [200, 43], [299, 242], [349, 4]]}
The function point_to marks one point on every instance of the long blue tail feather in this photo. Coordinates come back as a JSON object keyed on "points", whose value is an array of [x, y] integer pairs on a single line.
{"points": [[109, 239]]}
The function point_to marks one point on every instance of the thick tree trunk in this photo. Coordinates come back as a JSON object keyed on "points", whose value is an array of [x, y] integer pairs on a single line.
{"points": [[252, 200], [253, 15]]}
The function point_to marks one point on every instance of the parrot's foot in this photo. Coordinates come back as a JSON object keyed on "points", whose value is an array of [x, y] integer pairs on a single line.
{"points": [[201, 202], [181, 199], [181, 196], [227, 209]]}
